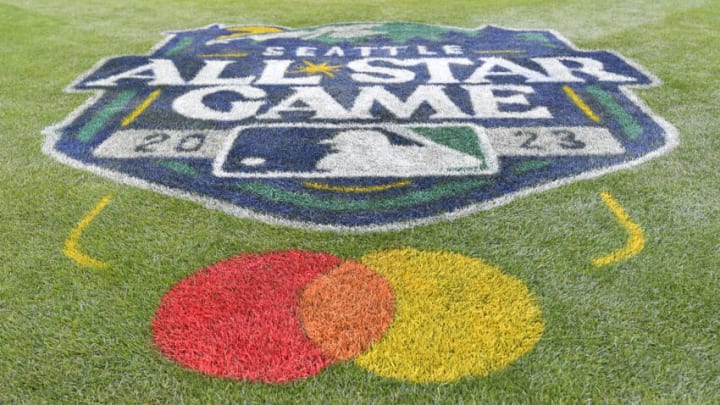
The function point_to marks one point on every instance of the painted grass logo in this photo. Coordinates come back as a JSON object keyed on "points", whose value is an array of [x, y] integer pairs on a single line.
{"points": [[359, 126], [408, 315]]}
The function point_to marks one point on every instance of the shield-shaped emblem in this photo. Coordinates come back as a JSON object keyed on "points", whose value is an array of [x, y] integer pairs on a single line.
{"points": [[359, 126]]}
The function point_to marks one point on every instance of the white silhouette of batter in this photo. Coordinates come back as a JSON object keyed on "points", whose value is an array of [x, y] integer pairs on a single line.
{"points": [[369, 153]]}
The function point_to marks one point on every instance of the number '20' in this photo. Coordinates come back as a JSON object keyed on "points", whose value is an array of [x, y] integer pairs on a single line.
{"points": [[188, 143]]}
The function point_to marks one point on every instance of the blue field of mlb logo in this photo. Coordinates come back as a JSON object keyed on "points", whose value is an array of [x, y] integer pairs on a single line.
{"points": [[359, 126]]}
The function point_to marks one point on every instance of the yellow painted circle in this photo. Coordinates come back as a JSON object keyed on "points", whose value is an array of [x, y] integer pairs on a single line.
{"points": [[454, 316]]}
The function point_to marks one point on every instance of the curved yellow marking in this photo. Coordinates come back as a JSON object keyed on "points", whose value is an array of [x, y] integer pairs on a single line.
{"points": [[240, 32], [70, 249], [139, 110], [636, 241], [356, 189], [580, 103]]}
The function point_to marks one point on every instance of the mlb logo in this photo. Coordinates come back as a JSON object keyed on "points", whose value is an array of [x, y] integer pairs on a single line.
{"points": [[342, 151]]}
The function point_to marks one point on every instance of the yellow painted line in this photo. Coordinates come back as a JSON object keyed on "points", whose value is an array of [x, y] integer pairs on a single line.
{"points": [[243, 31], [636, 240], [356, 189], [223, 55], [71, 250], [580, 103], [139, 110], [501, 51]]}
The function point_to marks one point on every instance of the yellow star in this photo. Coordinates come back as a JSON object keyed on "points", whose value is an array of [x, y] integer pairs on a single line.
{"points": [[312, 68]]}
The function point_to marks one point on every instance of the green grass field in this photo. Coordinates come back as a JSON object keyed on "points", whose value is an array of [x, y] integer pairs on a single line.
{"points": [[642, 330]]}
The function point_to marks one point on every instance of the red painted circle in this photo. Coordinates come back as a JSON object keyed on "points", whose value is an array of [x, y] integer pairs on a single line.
{"points": [[239, 318]]}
